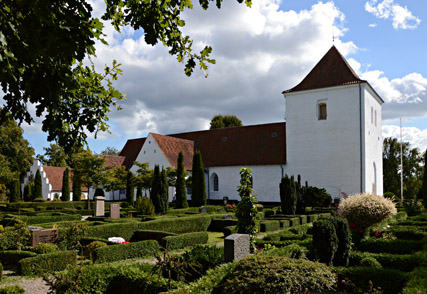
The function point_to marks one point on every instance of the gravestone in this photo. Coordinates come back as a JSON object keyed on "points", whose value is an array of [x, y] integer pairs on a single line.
{"points": [[236, 246], [227, 216], [99, 206], [203, 209], [114, 210], [44, 236]]}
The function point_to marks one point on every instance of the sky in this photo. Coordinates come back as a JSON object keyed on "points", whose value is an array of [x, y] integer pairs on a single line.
{"points": [[259, 52]]}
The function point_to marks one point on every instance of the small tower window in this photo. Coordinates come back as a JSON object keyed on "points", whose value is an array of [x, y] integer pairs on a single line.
{"points": [[215, 182], [322, 111]]}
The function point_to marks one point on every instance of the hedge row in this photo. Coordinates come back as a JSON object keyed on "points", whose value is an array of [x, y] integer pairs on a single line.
{"points": [[408, 232], [47, 263], [390, 281], [31, 220], [173, 225], [229, 231], [390, 246], [185, 240], [270, 225], [218, 225], [125, 251], [150, 235], [403, 262], [12, 257], [87, 240], [48, 204], [417, 283]]}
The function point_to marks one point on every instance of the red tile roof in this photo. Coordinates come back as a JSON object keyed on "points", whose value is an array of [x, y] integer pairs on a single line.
{"points": [[331, 70], [55, 175], [131, 150], [248, 145], [171, 147], [112, 160]]}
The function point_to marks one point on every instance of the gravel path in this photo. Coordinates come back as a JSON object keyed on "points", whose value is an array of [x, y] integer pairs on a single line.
{"points": [[31, 286]]}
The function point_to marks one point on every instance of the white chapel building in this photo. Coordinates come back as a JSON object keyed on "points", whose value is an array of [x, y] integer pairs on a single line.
{"points": [[331, 137]]}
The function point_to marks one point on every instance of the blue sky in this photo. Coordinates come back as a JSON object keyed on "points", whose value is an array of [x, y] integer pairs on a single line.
{"points": [[260, 52]]}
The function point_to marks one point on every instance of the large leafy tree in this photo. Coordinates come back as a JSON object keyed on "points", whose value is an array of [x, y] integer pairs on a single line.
{"points": [[181, 173], [16, 154], [55, 155], [115, 179], [43, 44], [144, 176], [412, 168], [225, 121], [110, 151], [89, 168]]}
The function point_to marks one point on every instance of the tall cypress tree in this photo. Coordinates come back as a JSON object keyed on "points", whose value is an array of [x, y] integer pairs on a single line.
{"points": [[15, 191], [198, 195], [38, 190], [28, 191], [164, 192], [130, 187], [77, 187], [155, 189], [66, 186], [181, 195]]}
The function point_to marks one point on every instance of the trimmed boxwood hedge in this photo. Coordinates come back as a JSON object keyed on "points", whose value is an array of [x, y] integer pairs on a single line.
{"points": [[46, 263], [87, 240], [185, 240], [285, 223], [150, 235], [31, 220], [173, 225], [390, 280], [303, 219], [408, 232], [218, 225], [403, 262], [311, 218], [270, 225], [12, 257], [125, 251], [294, 221], [391, 246], [417, 283]]}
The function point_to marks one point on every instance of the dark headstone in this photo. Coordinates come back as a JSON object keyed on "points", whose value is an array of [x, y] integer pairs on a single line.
{"points": [[114, 210], [44, 236], [236, 246]]}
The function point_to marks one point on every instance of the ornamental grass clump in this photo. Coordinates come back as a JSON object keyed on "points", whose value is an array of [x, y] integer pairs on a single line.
{"points": [[365, 210]]}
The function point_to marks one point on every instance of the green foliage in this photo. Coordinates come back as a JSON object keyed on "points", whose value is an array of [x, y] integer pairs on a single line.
{"points": [[246, 212], [16, 154], [88, 249], [370, 262], [44, 248], [364, 210], [325, 241], [38, 190], [69, 238], [225, 121], [378, 245], [145, 206], [174, 225], [423, 189], [28, 191], [185, 240], [130, 189], [144, 176], [270, 274], [117, 178], [32, 220], [142, 235], [198, 188], [229, 230], [317, 197], [89, 168], [65, 186], [268, 226], [15, 191], [181, 191], [125, 251], [155, 189], [417, 283], [11, 257], [218, 225], [13, 289], [164, 193], [55, 155], [77, 187], [288, 195], [291, 251], [47, 263], [203, 258]]}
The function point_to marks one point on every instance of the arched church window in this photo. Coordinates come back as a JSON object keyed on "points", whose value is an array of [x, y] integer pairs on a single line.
{"points": [[215, 182], [322, 111]]}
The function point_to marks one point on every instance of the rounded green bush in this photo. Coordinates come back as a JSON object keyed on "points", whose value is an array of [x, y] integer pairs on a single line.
{"points": [[88, 249], [370, 262], [272, 274], [44, 248], [365, 210]]}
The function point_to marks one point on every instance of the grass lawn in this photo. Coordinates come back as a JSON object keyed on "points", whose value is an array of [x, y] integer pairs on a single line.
{"points": [[215, 238]]}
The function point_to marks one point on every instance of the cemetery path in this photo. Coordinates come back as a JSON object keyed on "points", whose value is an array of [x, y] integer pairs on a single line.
{"points": [[31, 286]]}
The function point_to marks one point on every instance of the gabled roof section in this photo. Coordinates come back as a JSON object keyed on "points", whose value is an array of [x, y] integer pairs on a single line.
{"points": [[55, 175], [113, 160], [171, 146], [331, 70], [248, 145], [131, 151]]}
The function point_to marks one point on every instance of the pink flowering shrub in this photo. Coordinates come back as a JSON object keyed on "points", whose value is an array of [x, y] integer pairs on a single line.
{"points": [[364, 210]]}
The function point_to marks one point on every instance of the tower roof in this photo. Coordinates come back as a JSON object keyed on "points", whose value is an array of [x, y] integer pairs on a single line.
{"points": [[331, 70]]}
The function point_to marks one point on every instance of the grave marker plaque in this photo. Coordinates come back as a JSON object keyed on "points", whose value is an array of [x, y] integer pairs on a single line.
{"points": [[44, 236], [114, 210]]}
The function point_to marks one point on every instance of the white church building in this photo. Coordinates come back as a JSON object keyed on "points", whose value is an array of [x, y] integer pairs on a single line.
{"points": [[331, 137]]}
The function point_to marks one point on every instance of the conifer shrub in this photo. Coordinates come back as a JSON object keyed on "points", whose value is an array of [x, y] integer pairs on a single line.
{"points": [[38, 192], [325, 241], [271, 274], [181, 191], [288, 195], [145, 206], [364, 210], [65, 186], [44, 248], [342, 255]]}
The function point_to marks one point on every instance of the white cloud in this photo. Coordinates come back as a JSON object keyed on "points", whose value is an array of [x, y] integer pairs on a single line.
{"points": [[373, 25], [417, 137], [401, 16]]}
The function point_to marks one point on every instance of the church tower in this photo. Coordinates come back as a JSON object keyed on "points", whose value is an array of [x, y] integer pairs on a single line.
{"points": [[333, 129]]}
